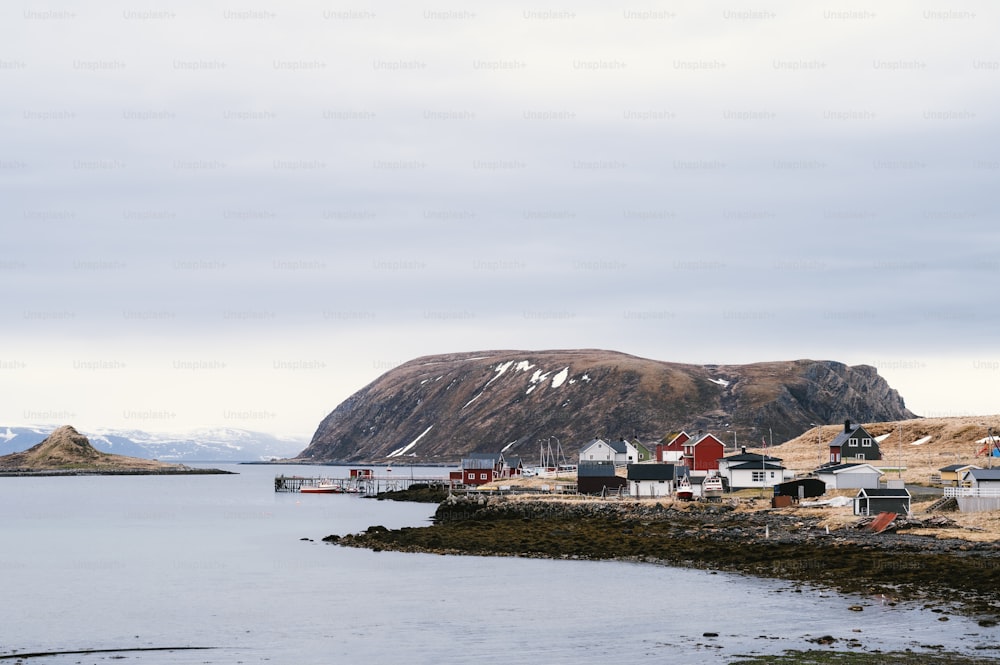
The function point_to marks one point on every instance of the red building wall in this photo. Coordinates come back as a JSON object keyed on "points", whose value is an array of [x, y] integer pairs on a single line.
{"points": [[705, 456], [475, 476]]}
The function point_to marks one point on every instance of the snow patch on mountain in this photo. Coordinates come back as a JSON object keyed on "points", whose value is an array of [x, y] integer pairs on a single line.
{"points": [[408, 447], [560, 378]]}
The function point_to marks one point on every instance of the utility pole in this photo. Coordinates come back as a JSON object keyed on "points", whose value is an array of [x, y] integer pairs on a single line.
{"points": [[819, 446]]}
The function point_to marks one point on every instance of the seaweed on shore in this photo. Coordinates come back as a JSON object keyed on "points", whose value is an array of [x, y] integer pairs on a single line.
{"points": [[963, 576]]}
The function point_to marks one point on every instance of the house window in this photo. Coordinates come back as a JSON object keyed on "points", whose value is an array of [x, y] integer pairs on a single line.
{"points": [[757, 476], [867, 443], [772, 474], [854, 442], [482, 476], [860, 456]]}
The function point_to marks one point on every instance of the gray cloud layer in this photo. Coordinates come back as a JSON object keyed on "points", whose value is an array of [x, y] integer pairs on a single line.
{"points": [[352, 187]]}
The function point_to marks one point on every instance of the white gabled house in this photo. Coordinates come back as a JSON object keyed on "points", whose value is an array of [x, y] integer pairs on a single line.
{"points": [[650, 480], [619, 452], [745, 470], [754, 474]]}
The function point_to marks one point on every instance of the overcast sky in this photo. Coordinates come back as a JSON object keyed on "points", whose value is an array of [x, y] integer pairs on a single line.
{"points": [[238, 214]]}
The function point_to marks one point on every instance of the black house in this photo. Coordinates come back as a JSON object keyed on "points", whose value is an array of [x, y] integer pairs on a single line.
{"points": [[884, 500], [803, 488], [854, 443], [597, 477]]}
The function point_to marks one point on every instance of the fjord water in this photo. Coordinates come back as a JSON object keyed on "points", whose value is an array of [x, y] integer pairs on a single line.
{"points": [[218, 561]]}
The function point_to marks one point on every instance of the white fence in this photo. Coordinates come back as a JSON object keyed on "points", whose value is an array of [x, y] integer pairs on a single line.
{"points": [[975, 499], [972, 491]]}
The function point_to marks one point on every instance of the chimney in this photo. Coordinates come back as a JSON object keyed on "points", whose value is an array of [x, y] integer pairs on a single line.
{"points": [[847, 426], [743, 450]]}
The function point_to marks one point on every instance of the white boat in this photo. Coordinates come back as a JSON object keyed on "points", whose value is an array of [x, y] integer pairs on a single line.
{"points": [[712, 487], [321, 488], [684, 490]]}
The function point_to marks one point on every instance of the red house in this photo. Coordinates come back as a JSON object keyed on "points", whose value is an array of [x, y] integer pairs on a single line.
{"points": [[703, 453], [482, 468], [672, 451]]}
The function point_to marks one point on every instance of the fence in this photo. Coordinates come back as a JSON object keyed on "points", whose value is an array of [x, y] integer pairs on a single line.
{"points": [[972, 491], [975, 499]]}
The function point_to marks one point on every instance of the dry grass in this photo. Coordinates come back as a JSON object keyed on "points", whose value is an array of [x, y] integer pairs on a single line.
{"points": [[953, 441]]}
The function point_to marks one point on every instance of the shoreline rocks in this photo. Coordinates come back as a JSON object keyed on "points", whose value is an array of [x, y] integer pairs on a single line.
{"points": [[900, 566]]}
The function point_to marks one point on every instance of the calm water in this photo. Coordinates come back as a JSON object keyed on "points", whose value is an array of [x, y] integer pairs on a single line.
{"points": [[218, 561]]}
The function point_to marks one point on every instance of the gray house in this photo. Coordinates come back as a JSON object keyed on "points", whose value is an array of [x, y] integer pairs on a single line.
{"points": [[849, 476], [982, 478], [884, 500]]}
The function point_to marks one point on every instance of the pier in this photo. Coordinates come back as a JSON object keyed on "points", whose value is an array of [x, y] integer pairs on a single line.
{"points": [[367, 484]]}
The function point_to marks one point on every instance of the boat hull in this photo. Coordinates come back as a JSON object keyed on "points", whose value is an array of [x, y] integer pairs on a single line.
{"points": [[321, 489]]}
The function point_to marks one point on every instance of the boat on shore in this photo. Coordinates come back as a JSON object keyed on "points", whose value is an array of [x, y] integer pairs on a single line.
{"points": [[684, 490], [712, 487]]}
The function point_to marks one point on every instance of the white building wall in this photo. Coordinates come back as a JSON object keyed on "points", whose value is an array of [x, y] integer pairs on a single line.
{"points": [[744, 478], [650, 488], [598, 452]]}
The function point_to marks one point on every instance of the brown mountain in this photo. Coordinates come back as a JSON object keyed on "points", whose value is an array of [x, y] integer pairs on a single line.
{"points": [[66, 450], [436, 409]]}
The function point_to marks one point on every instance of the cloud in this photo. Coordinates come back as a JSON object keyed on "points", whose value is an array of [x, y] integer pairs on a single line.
{"points": [[694, 182]]}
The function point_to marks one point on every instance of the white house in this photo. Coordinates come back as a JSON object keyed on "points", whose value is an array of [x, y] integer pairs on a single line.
{"points": [[619, 452], [754, 474], [650, 480], [849, 476], [751, 469]]}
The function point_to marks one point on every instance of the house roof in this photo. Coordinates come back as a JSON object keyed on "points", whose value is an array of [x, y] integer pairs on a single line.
{"points": [[650, 471], [749, 457], [885, 492], [601, 469], [984, 474], [617, 446], [958, 467], [702, 438], [481, 460], [756, 466], [841, 468], [677, 436], [843, 437], [513, 461]]}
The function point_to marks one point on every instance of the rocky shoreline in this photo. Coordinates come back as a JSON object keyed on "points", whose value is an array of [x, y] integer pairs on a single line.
{"points": [[950, 575]]}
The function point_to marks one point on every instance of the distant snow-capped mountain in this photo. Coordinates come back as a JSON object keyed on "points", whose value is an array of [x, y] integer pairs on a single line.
{"points": [[201, 445]]}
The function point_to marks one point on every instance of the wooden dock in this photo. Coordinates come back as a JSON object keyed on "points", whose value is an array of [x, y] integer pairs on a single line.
{"points": [[368, 485]]}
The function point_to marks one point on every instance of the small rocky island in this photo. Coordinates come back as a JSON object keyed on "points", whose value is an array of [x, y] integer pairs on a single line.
{"points": [[67, 452]]}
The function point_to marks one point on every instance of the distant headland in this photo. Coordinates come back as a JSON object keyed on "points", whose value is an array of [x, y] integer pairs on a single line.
{"points": [[66, 452]]}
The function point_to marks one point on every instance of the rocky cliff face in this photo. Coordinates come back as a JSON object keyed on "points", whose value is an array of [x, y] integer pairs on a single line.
{"points": [[437, 409]]}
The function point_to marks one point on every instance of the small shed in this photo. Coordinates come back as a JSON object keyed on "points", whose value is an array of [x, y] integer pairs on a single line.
{"points": [[598, 477], [802, 488], [650, 480], [872, 501], [849, 476]]}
